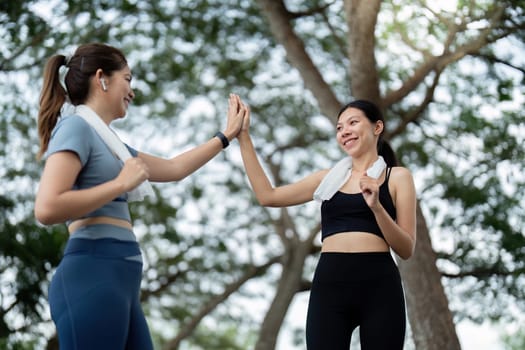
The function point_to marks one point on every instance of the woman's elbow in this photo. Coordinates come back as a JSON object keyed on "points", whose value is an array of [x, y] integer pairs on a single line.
{"points": [[265, 202], [268, 201], [263, 199], [407, 253], [44, 215]]}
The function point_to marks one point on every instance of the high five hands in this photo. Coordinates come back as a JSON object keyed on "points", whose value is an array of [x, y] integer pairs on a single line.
{"points": [[237, 113], [243, 111]]}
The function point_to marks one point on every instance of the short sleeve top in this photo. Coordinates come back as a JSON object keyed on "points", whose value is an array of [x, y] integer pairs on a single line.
{"points": [[99, 163]]}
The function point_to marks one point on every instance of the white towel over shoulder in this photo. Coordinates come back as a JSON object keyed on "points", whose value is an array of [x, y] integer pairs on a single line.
{"points": [[340, 173], [116, 145]]}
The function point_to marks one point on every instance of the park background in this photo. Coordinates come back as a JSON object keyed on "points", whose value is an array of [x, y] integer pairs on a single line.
{"points": [[220, 271]]}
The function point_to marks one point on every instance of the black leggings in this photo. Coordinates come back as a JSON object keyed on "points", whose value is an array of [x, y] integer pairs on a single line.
{"points": [[351, 290]]}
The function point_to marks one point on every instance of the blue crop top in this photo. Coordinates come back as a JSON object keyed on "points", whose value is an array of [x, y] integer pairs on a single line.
{"points": [[99, 164], [348, 212]]}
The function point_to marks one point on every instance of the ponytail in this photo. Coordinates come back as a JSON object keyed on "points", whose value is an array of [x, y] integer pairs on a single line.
{"points": [[385, 150], [52, 98]]}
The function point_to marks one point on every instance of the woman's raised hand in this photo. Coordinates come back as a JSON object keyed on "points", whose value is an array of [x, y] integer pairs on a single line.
{"points": [[245, 129], [236, 112]]}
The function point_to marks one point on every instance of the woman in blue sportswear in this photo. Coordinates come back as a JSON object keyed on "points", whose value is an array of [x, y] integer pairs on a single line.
{"points": [[368, 207], [88, 179]]}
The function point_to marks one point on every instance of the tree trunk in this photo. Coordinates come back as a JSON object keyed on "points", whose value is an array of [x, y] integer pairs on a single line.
{"points": [[52, 343], [289, 283], [361, 19], [427, 305]]}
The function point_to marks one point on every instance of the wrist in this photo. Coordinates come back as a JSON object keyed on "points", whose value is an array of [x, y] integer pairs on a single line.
{"points": [[223, 138], [244, 136], [229, 135], [119, 186], [376, 209]]}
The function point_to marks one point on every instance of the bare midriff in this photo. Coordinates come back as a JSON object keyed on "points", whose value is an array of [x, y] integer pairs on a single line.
{"points": [[354, 242], [75, 225]]}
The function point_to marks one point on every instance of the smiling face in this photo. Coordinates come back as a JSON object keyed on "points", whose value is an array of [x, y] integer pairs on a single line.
{"points": [[356, 134], [119, 91]]}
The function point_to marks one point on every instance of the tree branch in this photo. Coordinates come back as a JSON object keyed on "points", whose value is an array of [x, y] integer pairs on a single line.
{"points": [[493, 59], [309, 12], [414, 114], [340, 43], [438, 63], [279, 21], [209, 306], [483, 273], [167, 282]]}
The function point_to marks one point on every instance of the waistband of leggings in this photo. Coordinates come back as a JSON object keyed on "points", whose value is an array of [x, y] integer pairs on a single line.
{"points": [[98, 231], [107, 247], [358, 256]]}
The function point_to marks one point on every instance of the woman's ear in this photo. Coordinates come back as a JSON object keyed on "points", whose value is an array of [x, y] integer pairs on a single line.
{"points": [[379, 127], [100, 80], [99, 74]]}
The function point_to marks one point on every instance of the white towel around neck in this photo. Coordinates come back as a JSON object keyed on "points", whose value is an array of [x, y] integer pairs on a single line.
{"points": [[340, 173], [116, 145]]}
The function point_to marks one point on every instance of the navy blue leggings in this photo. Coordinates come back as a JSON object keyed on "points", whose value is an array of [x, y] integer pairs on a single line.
{"points": [[351, 290], [94, 297]]}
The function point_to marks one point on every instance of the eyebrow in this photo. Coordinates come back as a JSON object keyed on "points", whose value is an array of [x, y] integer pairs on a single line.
{"points": [[350, 118]]}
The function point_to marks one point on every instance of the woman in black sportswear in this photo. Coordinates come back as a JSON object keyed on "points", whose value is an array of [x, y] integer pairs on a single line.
{"points": [[368, 208]]}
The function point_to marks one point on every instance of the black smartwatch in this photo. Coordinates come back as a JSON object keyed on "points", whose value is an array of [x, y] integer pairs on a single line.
{"points": [[223, 139]]}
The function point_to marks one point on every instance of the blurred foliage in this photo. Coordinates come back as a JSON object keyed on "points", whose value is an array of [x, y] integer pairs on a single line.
{"points": [[514, 340], [205, 233]]}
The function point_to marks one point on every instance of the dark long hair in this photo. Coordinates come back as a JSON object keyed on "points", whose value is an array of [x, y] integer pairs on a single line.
{"points": [[88, 58], [373, 113]]}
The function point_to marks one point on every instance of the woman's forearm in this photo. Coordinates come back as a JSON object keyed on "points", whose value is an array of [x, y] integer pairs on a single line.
{"points": [[182, 165], [399, 240], [258, 180]]}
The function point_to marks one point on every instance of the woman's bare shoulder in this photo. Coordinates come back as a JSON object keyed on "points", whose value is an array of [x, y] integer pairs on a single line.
{"points": [[401, 171], [401, 176]]}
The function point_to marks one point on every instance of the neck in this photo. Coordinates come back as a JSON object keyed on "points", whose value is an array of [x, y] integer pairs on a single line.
{"points": [[362, 164], [100, 111]]}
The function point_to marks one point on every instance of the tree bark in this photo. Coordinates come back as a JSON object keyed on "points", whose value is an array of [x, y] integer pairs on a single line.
{"points": [[361, 19], [427, 305], [289, 283]]}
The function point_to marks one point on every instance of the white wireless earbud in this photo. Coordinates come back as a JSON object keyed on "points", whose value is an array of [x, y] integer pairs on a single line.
{"points": [[103, 83]]}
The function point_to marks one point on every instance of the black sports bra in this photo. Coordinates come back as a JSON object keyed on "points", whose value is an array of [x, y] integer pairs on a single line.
{"points": [[348, 212]]}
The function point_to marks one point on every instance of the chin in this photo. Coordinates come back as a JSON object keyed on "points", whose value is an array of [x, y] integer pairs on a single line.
{"points": [[347, 150], [122, 113]]}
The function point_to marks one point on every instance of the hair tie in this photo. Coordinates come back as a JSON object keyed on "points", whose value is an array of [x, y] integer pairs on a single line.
{"points": [[67, 60], [62, 76]]}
